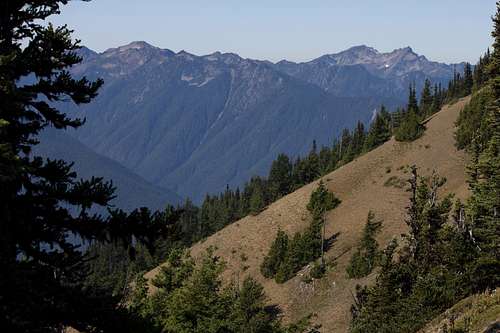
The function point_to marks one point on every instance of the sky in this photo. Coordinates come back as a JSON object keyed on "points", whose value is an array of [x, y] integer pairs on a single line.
{"points": [[443, 30]]}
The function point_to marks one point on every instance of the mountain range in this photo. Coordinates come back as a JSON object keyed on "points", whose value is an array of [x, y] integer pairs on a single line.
{"points": [[195, 124]]}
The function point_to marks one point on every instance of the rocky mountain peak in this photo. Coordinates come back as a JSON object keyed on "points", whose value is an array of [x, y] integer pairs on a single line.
{"points": [[227, 58], [86, 53], [137, 45], [133, 46], [213, 56], [185, 55], [406, 50], [352, 56], [361, 49], [405, 53]]}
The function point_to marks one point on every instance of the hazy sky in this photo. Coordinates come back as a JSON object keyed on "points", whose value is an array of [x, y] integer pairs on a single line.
{"points": [[442, 30]]}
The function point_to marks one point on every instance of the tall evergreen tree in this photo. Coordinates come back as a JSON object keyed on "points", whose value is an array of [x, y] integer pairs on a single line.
{"points": [[367, 254], [484, 205], [345, 142], [426, 99], [468, 80], [412, 100], [320, 202], [41, 202], [380, 130], [312, 164], [410, 129], [358, 140], [280, 176], [326, 161], [257, 201], [436, 100], [272, 261]]}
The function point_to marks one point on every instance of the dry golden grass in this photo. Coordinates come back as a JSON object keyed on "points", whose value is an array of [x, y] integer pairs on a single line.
{"points": [[360, 185], [475, 314]]}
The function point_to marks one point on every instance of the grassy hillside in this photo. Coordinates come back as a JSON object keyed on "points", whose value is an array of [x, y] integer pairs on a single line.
{"points": [[478, 313], [372, 182]]}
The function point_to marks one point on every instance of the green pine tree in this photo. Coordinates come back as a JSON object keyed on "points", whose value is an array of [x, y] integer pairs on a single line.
{"points": [[42, 202], [426, 99], [256, 202], [276, 255], [367, 255], [380, 130], [412, 100], [484, 204], [280, 176], [410, 129], [468, 80]]}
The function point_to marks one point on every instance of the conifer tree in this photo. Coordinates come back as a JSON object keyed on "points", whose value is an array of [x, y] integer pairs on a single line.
{"points": [[410, 128], [412, 100], [276, 255], [249, 313], [312, 164], [280, 176], [468, 80], [380, 130], [429, 273], [436, 100], [345, 142], [367, 254], [426, 99], [41, 202], [396, 118], [192, 298], [257, 202], [325, 160], [320, 202], [358, 140], [484, 205]]}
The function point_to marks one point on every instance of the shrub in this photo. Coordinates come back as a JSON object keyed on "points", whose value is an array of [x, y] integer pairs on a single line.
{"points": [[318, 270], [410, 129]]}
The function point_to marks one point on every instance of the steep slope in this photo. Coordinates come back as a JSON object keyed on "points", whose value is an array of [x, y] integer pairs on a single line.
{"points": [[362, 186], [132, 190], [197, 123], [476, 314]]}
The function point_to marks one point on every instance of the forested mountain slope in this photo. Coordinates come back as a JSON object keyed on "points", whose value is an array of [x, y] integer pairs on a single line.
{"points": [[197, 123], [371, 182], [132, 191]]}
